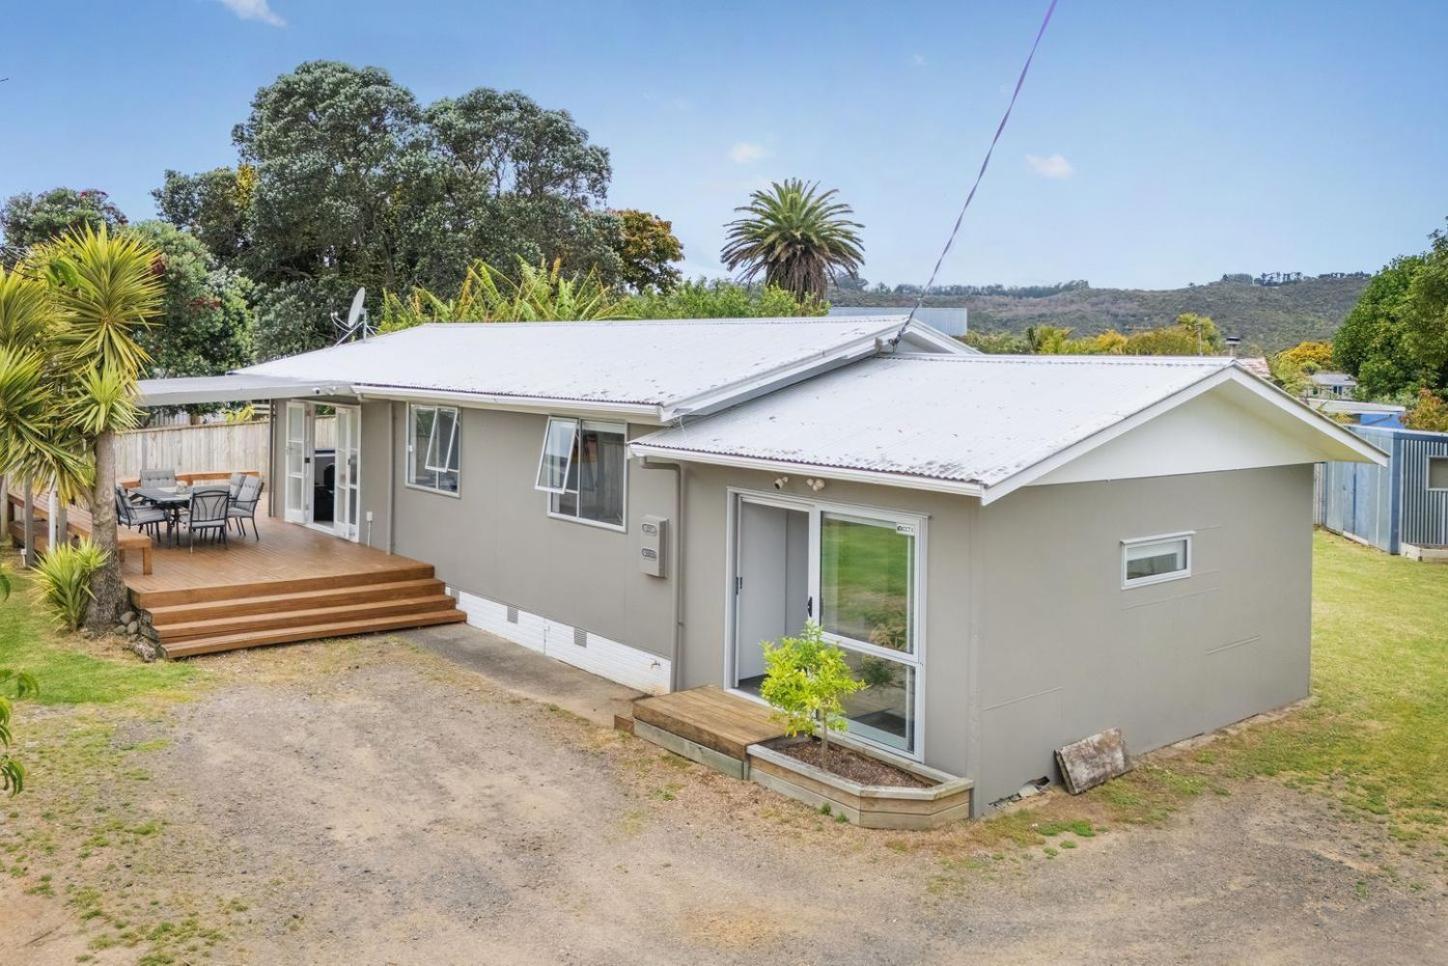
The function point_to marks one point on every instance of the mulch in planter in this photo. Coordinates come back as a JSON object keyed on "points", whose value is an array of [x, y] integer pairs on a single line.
{"points": [[848, 763]]}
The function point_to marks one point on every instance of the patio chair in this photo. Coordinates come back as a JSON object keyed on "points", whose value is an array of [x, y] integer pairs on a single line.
{"points": [[207, 514], [235, 488], [243, 506], [143, 518], [158, 478]]}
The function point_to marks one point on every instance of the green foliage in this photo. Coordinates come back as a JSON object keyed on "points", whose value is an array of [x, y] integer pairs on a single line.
{"points": [[796, 237], [997, 343], [806, 680], [647, 248], [722, 300], [1189, 335], [28, 220], [1429, 413], [205, 323], [344, 180], [12, 772], [530, 294], [65, 574], [1395, 340]]}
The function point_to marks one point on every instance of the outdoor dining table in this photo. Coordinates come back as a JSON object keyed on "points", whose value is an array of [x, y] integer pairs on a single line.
{"points": [[168, 498]]}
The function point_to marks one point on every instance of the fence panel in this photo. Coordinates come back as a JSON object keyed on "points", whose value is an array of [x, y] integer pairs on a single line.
{"points": [[208, 448]]}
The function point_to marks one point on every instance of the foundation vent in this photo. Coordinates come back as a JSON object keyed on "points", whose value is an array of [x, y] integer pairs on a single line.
{"points": [[580, 637], [512, 615]]}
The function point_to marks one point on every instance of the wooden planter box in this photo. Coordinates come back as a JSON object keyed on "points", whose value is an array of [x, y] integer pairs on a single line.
{"points": [[869, 806]]}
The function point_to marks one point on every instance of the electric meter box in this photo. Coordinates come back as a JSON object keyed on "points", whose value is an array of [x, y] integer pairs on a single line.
{"points": [[653, 532]]}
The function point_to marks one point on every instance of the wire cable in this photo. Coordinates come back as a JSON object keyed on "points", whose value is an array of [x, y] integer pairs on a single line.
{"points": [[1000, 128]]}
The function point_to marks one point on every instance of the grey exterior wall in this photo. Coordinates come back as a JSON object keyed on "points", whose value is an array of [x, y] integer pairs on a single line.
{"points": [[1030, 640]]}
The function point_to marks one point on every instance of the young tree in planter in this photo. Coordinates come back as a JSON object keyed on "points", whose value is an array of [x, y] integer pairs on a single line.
{"points": [[806, 680]]}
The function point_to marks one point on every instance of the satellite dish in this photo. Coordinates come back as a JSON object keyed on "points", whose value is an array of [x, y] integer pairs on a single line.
{"points": [[356, 324]]}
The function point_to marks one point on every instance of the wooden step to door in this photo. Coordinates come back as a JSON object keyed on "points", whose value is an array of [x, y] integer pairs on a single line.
{"points": [[286, 635]]}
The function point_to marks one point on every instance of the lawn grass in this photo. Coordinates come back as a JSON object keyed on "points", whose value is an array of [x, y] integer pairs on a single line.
{"points": [[70, 672]]}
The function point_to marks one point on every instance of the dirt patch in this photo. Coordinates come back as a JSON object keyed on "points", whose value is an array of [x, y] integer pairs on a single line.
{"points": [[849, 764], [346, 802]]}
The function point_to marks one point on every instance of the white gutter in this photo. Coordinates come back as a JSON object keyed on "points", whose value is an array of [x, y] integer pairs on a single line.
{"points": [[635, 412]]}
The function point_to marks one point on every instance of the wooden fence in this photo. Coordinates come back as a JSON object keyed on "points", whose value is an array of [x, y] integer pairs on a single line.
{"points": [[209, 447]]}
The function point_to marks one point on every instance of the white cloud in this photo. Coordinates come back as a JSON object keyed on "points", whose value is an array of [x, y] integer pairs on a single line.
{"points": [[1050, 166], [918, 60], [747, 152], [254, 10]]}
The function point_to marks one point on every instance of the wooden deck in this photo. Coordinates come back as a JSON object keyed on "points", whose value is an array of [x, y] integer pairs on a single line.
{"points": [[294, 584], [135, 547], [720, 721]]}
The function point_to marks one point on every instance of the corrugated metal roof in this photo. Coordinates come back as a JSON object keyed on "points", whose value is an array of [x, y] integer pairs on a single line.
{"points": [[657, 363], [189, 390], [967, 419]]}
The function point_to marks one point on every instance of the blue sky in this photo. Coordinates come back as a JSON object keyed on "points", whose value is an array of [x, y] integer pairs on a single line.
{"points": [[1155, 143]]}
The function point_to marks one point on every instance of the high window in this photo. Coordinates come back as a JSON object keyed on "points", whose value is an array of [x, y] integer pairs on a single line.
{"points": [[434, 448], [1151, 560]]}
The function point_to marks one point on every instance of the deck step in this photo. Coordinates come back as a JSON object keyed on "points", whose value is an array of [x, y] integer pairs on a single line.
{"points": [[384, 608], [305, 600], [285, 635], [150, 600]]}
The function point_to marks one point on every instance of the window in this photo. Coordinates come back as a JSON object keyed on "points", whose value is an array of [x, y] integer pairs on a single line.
{"points": [[1438, 472], [584, 470], [434, 448], [1152, 560]]}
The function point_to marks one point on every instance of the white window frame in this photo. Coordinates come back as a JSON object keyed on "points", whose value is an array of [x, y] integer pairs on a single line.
{"points": [[580, 425], [916, 659], [1185, 538], [445, 465], [407, 480], [1428, 473], [567, 459]]}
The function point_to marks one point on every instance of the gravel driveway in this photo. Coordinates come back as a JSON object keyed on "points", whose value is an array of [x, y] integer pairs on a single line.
{"points": [[398, 807]]}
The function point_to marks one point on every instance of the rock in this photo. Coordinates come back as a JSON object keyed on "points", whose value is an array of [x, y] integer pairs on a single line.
{"points": [[120, 628], [128, 616], [133, 628], [144, 649], [149, 633]]}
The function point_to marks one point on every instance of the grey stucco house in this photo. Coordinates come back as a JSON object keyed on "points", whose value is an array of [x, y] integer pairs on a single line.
{"points": [[1014, 552]]}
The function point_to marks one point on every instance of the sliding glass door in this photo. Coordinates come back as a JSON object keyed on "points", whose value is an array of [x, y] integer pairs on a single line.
{"points": [[858, 573]]}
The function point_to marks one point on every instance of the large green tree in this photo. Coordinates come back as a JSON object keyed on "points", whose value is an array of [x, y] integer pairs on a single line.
{"points": [[345, 180], [1395, 340], [648, 248], [205, 324], [796, 237], [27, 219]]}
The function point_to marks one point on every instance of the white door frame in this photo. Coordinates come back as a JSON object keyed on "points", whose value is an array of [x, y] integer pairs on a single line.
{"points": [[815, 507], [297, 463], [347, 505]]}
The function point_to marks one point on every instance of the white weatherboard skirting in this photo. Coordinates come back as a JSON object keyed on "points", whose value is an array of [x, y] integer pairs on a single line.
{"points": [[609, 659]]}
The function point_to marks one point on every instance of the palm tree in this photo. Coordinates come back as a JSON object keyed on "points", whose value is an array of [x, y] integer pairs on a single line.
{"points": [[796, 236], [105, 288]]}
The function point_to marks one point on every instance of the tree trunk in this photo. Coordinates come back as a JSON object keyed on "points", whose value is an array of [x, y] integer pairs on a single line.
{"points": [[28, 526], [110, 592], [62, 521]]}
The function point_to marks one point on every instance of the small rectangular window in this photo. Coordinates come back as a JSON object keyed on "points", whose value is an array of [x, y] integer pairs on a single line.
{"points": [[595, 477], [1438, 472], [434, 448], [559, 442], [1152, 560]]}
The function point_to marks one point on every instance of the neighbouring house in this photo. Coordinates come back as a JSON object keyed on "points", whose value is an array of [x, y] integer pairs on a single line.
{"points": [[1400, 506], [1330, 385], [1014, 552], [1356, 411]]}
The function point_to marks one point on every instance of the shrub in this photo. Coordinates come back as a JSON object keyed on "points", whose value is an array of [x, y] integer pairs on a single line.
{"points": [[805, 679], [65, 576]]}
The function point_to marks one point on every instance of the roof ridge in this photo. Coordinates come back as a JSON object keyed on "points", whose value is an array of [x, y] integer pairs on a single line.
{"points": [[618, 323]]}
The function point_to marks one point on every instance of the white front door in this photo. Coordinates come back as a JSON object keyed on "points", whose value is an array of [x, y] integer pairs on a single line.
{"points": [[297, 431], [348, 472]]}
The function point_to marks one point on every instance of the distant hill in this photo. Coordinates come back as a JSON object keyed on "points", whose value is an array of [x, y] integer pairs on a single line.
{"points": [[1267, 317]]}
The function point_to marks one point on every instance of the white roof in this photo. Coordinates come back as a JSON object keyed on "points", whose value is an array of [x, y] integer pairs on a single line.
{"points": [[980, 424], [658, 369], [188, 390]]}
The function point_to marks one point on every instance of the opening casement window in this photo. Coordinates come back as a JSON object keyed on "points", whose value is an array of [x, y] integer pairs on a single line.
{"points": [[1151, 560], [434, 448], [584, 470]]}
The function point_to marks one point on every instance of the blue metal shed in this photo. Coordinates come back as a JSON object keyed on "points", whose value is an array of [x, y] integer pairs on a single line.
{"points": [[1405, 502]]}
